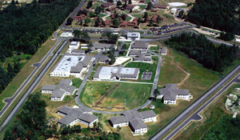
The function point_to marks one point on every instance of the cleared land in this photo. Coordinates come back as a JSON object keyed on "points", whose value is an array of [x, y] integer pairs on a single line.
{"points": [[168, 1], [200, 80], [135, 94], [211, 116]]}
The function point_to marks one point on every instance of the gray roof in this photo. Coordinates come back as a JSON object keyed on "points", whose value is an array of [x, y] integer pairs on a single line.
{"points": [[65, 109], [134, 52], [163, 50], [104, 58], [132, 115], [86, 60], [88, 118], [143, 57], [137, 124], [75, 113], [78, 52], [171, 91], [139, 44], [77, 69], [57, 93], [148, 114], [97, 45], [48, 87], [67, 119], [118, 119], [66, 81]]}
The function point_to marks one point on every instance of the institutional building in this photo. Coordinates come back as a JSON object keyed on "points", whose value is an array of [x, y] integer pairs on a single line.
{"points": [[139, 45], [135, 120], [133, 35], [59, 91], [72, 116], [171, 93], [139, 56], [72, 65], [116, 73]]}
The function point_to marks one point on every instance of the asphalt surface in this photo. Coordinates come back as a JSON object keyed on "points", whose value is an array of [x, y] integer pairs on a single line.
{"points": [[33, 85], [194, 106], [77, 99]]}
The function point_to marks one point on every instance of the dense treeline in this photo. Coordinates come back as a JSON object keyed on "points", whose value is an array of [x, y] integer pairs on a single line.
{"points": [[24, 29], [218, 14], [225, 128], [198, 47], [32, 124]]}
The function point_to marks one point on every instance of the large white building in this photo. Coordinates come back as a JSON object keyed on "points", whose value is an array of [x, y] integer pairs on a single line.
{"points": [[171, 93], [74, 45], [71, 116], [135, 120], [59, 91], [72, 65], [133, 36], [116, 73]]}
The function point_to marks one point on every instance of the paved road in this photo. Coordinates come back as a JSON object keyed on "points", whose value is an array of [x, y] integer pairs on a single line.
{"points": [[196, 104], [33, 85], [118, 112], [37, 66]]}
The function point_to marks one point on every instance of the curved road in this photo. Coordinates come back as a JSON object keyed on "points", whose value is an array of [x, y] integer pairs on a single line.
{"points": [[77, 97]]}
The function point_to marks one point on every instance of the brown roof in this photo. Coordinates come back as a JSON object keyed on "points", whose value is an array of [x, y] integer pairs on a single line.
{"points": [[154, 18], [130, 7], [108, 4], [80, 17], [159, 6]]}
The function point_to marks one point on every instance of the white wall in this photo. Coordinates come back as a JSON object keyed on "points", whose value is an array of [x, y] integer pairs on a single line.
{"points": [[120, 125]]}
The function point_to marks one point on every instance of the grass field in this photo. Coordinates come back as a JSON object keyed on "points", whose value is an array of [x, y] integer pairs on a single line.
{"points": [[168, 1], [135, 94], [211, 116], [145, 67], [25, 71]]}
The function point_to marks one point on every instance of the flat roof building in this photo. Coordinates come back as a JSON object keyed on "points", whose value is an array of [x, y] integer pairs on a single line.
{"points": [[116, 73], [139, 45], [103, 47], [72, 65], [133, 35]]}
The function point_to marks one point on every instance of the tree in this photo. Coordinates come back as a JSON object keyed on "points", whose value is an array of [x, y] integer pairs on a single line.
{"points": [[123, 16], [139, 20], [227, 36], [98, 10], [159, 19], [97, 22], [124, 47], [129, 1], [118, 129], [90, 45], [8, 135], [89, 5], [151, 22], [119, 3], [87, 21], [181, 14], [100, 126], [149, 6], [77, 33], [69, 21], [16, 67], [156, 93], [10, 70], [145, 16], [116, 22]]}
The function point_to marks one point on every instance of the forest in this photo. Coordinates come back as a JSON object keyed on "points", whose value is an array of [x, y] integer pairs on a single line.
{"points": [[218, 14], [24, 28], [226, 128], [32, 124], [199, 48]]}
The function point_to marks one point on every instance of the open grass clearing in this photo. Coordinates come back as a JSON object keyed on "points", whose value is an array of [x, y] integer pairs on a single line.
{"points": [[168, 1], [135, 94]]}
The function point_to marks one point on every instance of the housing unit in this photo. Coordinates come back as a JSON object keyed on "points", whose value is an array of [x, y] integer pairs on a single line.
{"points": [[104, 59], [171, 93], [116, 73], [59, 91], [102, 47], [139, 45], [139, 56], [72, 65], [135, 120], [72, 116]]}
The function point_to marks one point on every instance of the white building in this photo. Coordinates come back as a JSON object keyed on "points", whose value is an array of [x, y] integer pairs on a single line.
{"points": [[116, 73], [171, 93], [133, 35], [238, 39], [71, 116], [59, 91], [135, 120], [72, 65], [66, 34]]}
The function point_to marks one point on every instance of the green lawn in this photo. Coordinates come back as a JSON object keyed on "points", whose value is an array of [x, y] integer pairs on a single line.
{"points": [[142, 6], [128, 18], [145, 67], [102, 15], [76, 82], [137, 16], [135, 94]]}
